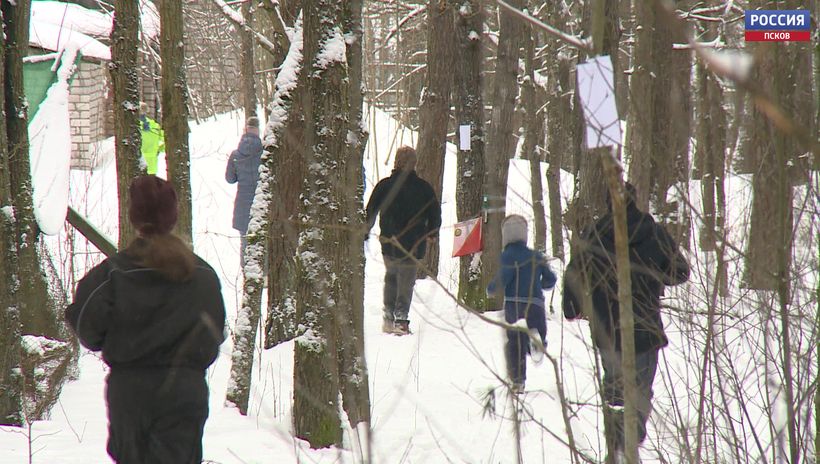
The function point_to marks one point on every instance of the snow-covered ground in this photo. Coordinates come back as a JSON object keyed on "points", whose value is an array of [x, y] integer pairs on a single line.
{"points": [[428, 390]]}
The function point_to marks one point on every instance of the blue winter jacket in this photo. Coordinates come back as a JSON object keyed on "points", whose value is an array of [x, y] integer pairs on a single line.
{"points": [[243, 168], [524, 273]]}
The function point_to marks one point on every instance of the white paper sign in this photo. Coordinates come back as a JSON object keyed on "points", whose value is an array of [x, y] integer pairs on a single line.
{"points": [[464, 137], [597, 91]]}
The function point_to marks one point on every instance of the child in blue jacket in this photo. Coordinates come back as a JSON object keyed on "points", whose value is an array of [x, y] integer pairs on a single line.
{"points": [[524, 273]]}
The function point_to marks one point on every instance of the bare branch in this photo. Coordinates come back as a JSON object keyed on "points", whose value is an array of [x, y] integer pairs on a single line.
{"points": [[393, 31], [577, 42], [239, 21]]}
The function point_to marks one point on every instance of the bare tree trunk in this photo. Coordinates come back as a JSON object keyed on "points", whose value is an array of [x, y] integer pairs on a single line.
{"points": [[671, 127], [175, 112], [590, 194], [641, 104], [561, 138], [285, 157], [501, 144], [469, 108], [258, 231], [246, 64], [124, 80], [35, 305], [36, 308], [11, 386], [710, 156], [434, 110], [534, 131], [627, 318], [770, 234], [324, 244], [352, 365], [589, 204]]}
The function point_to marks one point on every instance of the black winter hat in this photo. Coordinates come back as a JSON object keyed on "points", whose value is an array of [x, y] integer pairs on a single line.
{"points": [[152, 206]]}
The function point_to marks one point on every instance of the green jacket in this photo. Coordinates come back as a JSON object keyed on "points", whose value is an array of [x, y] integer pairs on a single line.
{"points": [[153, 142]]}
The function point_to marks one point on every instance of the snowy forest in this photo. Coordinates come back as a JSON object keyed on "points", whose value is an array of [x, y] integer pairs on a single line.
{"points": [[718, 135]]}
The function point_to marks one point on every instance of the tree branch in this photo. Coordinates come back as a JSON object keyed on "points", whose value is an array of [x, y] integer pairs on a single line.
{"points": [[278, 22], [239, 21], [577, 42]]}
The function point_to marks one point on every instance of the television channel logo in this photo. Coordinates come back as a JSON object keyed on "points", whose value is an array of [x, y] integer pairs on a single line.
{"points": [[778, 25]]}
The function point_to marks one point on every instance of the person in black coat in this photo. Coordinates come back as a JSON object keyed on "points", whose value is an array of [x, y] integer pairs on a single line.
{"points": [[655, 261], [410, 215], [155, 311]]}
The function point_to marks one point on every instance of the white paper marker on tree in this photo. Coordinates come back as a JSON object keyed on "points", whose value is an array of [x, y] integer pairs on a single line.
{"points": [[464, 137], [597, 91]]}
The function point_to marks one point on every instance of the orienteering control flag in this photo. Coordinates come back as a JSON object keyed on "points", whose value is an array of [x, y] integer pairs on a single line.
{"points": [[467, 237]]}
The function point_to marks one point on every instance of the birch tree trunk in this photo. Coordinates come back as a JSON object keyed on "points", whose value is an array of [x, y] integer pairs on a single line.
{"points": [[175, 112], [434, 110], [324, 242], [11, 385], [501, 144], [469, 108], [125, 83], [259, 228]]}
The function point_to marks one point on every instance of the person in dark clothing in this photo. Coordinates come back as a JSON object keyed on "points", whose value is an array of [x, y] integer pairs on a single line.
{"points": [[410, 215], [524, 273], [155, 311], [243, 169], [590, 276]]}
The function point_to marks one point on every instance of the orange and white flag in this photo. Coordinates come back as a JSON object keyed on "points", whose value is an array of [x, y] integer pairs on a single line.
{"points": [[467, 239]]}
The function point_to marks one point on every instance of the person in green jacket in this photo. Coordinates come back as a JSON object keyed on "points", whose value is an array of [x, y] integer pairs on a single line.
{"points": [[153, 140]]}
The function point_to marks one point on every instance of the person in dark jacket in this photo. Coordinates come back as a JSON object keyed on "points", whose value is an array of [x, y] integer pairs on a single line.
{"points": [[410, 215], [243, 169], [155, 311], [524, 273], [655, 261]]}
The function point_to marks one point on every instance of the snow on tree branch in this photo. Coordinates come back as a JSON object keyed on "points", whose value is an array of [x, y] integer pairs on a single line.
{"points": [[237, 18]]}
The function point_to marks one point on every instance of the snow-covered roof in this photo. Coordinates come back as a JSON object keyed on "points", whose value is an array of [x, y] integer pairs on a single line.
{"points": [[57, 25], [73, 17], [53, 37]]}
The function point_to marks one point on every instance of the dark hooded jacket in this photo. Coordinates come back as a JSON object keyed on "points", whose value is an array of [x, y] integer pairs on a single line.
{"points": [[159, 337], [138, 318], [655, 261], [409, 213], [243, 168]]}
